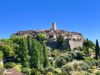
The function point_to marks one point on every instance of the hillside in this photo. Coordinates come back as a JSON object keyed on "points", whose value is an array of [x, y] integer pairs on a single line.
{"points": [[49, 52]]}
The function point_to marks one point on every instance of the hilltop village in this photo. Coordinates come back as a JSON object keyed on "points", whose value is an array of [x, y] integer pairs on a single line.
{"points": [[75, 39]]}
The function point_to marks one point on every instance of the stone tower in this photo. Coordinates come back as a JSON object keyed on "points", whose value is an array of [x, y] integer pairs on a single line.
{"points": [[53, 26]]}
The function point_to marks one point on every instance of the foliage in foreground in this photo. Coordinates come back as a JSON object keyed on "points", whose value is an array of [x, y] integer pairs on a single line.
{"points": [[32, 56]]}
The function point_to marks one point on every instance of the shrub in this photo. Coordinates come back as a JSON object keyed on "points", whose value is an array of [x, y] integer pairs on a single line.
{"points": [[18, 67], [1, 71], [26, 71], [60, 61], [58, 70], [84, 66], [76, 73], [97, 73], [1, 65], [63, 59], [32, 71], [76, 66], [79, 56], [68, 57], [88, 59], [49, 73], [49, 69], [66, 69], [35, 72], [9, 65]]}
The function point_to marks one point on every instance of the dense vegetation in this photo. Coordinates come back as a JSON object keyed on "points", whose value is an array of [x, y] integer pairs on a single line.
{"points": [[32, 56]]}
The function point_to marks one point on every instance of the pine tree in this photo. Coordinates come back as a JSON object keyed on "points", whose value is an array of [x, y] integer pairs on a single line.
{"points": [[97, 54]]}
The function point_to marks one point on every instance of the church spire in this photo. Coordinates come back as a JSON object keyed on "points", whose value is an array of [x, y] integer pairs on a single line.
{"points": [[54, 26]]}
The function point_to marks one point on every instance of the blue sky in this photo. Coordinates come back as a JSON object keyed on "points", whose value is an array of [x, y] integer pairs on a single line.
{"points": [[73, 15]]}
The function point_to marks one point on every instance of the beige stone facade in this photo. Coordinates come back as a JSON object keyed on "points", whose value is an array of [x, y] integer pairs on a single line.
{"points": [[75, 38]]}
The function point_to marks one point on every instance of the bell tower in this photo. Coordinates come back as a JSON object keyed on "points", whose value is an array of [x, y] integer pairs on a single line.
{"points": [[54, 26]]}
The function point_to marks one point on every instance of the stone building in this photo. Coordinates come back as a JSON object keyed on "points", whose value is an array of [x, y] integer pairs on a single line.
{"points": [[75, 39]]}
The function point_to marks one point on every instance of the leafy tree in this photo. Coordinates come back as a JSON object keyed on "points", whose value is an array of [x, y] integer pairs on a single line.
{"points": [[41, 37], [62, 43], [66, 45], [7, 50], [97, 50], [21, 50], [5, 41]]}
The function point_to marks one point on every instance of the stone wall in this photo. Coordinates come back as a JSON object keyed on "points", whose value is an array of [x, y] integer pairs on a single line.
{"points": [[75, 44]]}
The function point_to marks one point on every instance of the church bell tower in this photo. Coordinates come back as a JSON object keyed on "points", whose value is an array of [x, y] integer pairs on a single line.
{"points": [[54, 26]]}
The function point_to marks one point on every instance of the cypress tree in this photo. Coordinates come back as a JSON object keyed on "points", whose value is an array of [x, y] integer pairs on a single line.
{"points": [[29, 43], [35, 60], [97, 54], [24, 53], [40, 48], [45, 55], [86, 45]]}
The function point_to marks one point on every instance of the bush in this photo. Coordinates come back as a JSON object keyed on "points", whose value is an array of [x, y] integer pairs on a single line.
{"points": [[79, 56], [26, 71], [66, 69], [49, 73], [49, 69], [80, 65], [18, 67], [1, 71], [32, 71], [9, 65], [68, 57], [63, 59], [60, 61], [88, 59], [1, 55], [76, 66], [37, 72], [76, 73], [84, 66], [97, 73], [58, 70], [13, 65]]}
